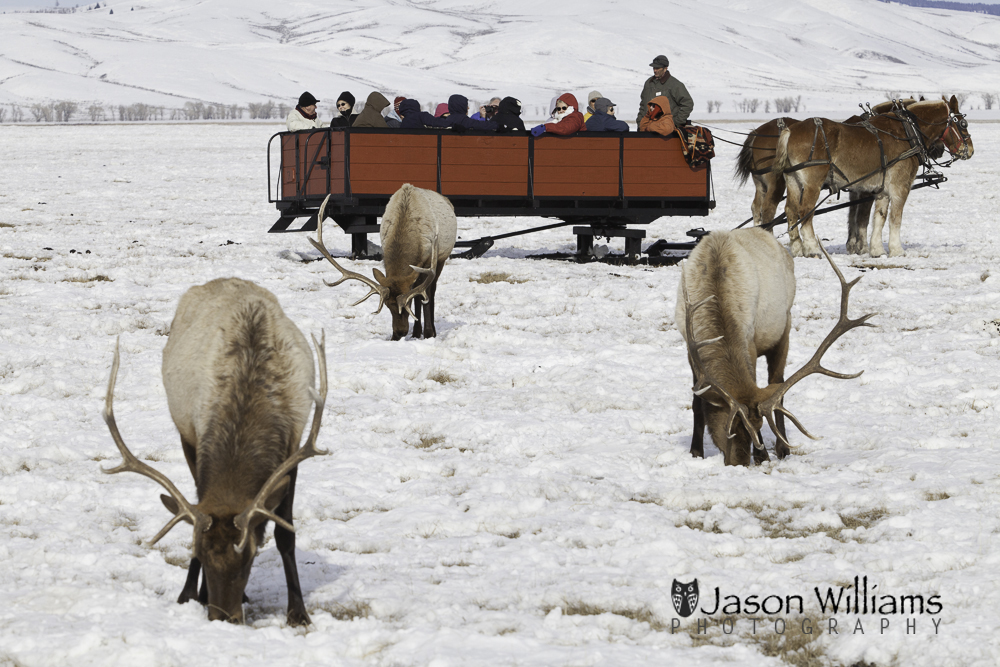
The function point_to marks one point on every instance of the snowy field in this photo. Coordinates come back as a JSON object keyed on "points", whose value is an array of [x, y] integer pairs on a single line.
{"points": [[517, 491]]}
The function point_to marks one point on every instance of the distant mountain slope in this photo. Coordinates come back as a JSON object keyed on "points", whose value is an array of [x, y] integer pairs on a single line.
{"points": [[979, 7], [167, 52]]}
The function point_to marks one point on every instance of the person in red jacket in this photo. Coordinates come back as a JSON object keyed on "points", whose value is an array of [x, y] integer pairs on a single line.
{"points": [[570, 121]]}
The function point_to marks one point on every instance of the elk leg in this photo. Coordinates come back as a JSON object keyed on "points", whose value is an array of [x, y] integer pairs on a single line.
{"points": [[429, 330], [776, 359], [285, 540], [418, 308], [698, 435], [190, 590]]}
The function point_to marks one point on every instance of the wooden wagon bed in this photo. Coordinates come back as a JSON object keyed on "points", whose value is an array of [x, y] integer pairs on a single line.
{"points": [[603, 181]]}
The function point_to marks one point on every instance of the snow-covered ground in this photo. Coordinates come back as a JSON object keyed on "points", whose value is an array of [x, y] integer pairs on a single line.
{"points": [[167, 52], [517, 491]]}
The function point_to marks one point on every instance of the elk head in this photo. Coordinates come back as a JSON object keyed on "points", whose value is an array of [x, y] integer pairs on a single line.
{"points": [[399, 289], [737, 438], [226, 536]]}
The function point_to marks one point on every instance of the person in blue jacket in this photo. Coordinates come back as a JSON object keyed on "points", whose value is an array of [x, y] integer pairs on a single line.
{"points": [[603, 119], [458, 116], [415, 119]]}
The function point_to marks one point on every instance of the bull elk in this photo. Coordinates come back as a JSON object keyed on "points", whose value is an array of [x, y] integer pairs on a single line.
{"points": [[239, 381], [734, 305], [418, 233]]}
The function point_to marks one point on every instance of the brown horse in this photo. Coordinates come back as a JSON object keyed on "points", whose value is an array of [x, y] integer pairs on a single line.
{"points": [[755, 160], [757, 156], [880, 157]]}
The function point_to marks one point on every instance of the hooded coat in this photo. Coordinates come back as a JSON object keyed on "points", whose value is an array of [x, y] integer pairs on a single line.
{"points": [[571, 122], [371, 116], [296, 121], [458, 119], [415, 119], [664, 124], [601, 121], [508, 117], [681, 103]]}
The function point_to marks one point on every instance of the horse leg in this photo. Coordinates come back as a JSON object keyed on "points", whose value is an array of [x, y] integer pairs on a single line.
{"points": [[857, 226], [792, 209], [810, 246], [769, 206], [897, 197], [875, 247]]}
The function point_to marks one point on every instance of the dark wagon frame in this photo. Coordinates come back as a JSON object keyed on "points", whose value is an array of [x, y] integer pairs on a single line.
{"points": [[601, 181]]}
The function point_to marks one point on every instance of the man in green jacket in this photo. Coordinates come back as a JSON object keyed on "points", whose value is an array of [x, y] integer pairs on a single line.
{"points": [[661, 83]]}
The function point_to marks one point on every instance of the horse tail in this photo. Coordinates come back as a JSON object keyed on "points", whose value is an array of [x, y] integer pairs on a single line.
{"points": [[744, 162], [781, 163]]}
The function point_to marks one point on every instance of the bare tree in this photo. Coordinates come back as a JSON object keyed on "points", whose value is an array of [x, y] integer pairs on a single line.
{"points": [[96, 112], [989, 99], [42, 112], [3, 114], [64, 111], [961, 97], [16, 114]]}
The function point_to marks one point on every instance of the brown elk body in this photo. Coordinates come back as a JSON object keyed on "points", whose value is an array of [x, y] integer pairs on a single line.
{"points": [[819, 153], [239, 381], [418, 233], [734, 305]]}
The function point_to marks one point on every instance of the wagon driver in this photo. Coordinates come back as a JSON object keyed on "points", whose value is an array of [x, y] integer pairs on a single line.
{"points": [[661, 83]]}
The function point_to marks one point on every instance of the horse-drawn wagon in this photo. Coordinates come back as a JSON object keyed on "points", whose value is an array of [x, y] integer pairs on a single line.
{"points": [[602, 182]]}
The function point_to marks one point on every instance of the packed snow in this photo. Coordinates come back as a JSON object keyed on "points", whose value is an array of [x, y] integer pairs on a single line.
{"points": [[517, 491], [168, 52]]}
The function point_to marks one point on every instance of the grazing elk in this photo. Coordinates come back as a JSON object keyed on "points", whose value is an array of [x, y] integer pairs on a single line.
{"points": [[418, 233], [880, 157], [239, 381], [734, 305]]}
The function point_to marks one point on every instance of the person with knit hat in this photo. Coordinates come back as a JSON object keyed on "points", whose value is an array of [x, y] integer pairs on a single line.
{"points": [[661, 83], [345, 105], [591, 98], [303, 116]]}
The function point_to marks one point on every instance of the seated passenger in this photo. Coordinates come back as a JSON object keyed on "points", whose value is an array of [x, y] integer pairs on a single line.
{"points": [[345, 105], [441, 111], [303, 116], [603, 119], [392, 117], [415, 119], [488, 110], [591, 98], [371, 115], [508, 116], [568, 119], [658, 117], [458, 116]]}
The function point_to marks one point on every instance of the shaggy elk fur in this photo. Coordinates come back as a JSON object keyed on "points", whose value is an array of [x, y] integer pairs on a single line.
{"points": [[855, 153], [734, 305], [418, 233], [239, 381]]}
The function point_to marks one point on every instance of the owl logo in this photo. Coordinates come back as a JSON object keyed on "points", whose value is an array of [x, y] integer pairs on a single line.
{"points": [[685, 597]]}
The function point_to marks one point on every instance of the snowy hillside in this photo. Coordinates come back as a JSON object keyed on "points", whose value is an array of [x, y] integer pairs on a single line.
{"points": [[516, 491], [168, 52]]}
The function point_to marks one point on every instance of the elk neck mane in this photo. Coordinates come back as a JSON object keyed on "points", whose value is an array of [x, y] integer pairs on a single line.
{"points": [[253, 426], [722, 272]]}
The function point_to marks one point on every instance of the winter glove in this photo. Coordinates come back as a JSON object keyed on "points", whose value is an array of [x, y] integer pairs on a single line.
{"points": [[538, 130]]}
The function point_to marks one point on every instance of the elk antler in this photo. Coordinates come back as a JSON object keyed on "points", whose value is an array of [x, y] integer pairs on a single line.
{"points": [[258, 507], [420, 289], [703, 380], [186, 511], [843, 325], [374, 287]]}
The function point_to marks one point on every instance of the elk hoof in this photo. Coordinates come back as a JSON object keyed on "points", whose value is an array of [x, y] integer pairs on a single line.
{"points": [[297, 617]]}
